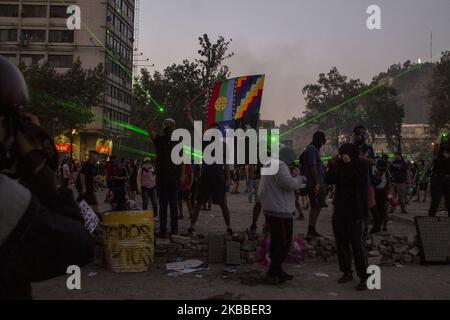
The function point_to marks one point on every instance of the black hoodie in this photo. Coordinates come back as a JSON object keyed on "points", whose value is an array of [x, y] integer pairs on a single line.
{"points": [[41, 230], [351, 180]]}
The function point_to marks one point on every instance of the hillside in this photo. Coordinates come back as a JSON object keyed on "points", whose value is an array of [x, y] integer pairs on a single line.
{"points": [[412, 91]]}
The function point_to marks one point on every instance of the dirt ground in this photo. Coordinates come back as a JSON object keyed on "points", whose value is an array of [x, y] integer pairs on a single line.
{"points": [[398, 282]]}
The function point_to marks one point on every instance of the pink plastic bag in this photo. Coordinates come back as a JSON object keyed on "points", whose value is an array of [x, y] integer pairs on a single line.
{"points": [[296, 253]]}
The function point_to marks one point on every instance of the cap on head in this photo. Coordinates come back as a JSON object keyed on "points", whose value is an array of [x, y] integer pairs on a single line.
{"points": [[214, 125], [288, 155], [13, 88], [320, 138], [169, 123], [359, 130]]}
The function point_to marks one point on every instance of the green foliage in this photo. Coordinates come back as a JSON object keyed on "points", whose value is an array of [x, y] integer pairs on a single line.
{"points": [[63, 101], [439, 94], [378, 111], [179, 84]]}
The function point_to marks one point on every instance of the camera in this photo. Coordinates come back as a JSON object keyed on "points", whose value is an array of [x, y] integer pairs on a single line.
{"points": [[13, 99]]}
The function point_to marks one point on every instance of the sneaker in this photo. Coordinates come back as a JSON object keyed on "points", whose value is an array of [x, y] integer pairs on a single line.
{"points": [[284, 276], [191, 232], [346, 278], [313, 234], [230, 231], [273, 280], [362, 286]]}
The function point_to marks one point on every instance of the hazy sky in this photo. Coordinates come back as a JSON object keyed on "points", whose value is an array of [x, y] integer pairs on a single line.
{"points": [[292, 41]]}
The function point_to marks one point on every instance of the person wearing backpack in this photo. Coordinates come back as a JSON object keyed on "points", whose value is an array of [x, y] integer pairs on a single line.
{"points": [[313, 169], [146, 181]]}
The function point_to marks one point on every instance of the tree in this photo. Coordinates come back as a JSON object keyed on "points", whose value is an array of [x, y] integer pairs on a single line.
{"points": [[331, 90], [439, 94], [382, 115], [378, 110], [176, 86], [63, 101], [179, 84]]}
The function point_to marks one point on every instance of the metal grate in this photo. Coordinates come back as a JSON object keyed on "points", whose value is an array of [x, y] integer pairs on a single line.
{"points": [[216, 248], [434, 235], [233, 253]]}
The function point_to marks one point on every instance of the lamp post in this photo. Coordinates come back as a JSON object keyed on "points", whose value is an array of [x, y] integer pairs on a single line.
{"points": [[399, 136], [72, 133]]}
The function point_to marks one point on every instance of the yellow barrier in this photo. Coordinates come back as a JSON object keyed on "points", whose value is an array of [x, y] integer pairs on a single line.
{"points": [[129, 241]]}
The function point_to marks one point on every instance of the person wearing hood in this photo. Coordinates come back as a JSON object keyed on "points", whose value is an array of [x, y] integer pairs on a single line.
{"points": [[277, 197], [313, 169], [440, 178], [42, 230], [168, 176], [349, 174]]}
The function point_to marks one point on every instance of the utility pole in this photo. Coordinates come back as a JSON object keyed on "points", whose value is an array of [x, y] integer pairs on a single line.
{"points": [[431, 45]]}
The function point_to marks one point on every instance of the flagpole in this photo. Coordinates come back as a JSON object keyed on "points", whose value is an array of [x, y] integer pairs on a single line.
{"points": [[190, 103]]}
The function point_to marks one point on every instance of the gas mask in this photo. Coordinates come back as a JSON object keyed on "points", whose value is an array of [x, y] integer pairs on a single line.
{"points": [[13, 99], [360, 136]]}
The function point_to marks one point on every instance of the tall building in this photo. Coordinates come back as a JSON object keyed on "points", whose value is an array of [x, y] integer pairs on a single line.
{"points": [[35, 31]]}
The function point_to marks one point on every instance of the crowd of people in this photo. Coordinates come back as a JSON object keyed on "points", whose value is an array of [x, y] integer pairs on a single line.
{"points": [[42, 230], [362, 187]]}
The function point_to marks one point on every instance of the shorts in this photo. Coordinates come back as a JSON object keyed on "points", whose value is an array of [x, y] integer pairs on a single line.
{"points": [[184, 195], [211, 187], [317, 201]]}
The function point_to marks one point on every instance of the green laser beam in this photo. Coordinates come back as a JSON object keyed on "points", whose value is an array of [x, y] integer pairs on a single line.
{"points": [[348, 101], [129, 127], [117, 61], [72, 106], [186, 149]]}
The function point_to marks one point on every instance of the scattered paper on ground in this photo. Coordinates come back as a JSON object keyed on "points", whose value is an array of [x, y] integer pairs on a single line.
{"points": [[321, 275]]}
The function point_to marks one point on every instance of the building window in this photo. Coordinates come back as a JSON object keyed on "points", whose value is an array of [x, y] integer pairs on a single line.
{"points": [[63, 36], [58, 12], [60, 61], [33, 11], [31, 59], [33, 35], [8, 35], [9, 10]]}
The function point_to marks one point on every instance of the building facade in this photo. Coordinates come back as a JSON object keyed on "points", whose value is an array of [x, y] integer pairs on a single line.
{"points": [[35, 31]]}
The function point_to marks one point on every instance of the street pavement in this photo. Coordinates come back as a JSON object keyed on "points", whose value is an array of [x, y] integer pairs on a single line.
{"points": [[398, 282]]}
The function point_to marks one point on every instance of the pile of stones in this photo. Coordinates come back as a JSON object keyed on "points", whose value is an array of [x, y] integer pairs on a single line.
{"points": [[200, 248], [179, 247], [387, 249], [320, 250], [383, 248]]}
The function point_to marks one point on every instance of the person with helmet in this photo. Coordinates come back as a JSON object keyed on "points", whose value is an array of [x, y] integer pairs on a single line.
{"points": [[42, 231], [440, 177]]}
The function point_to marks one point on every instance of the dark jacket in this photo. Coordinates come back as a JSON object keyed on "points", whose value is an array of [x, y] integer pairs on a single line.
{"points": [[166, 170], [350, 201], [41, 230]]}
